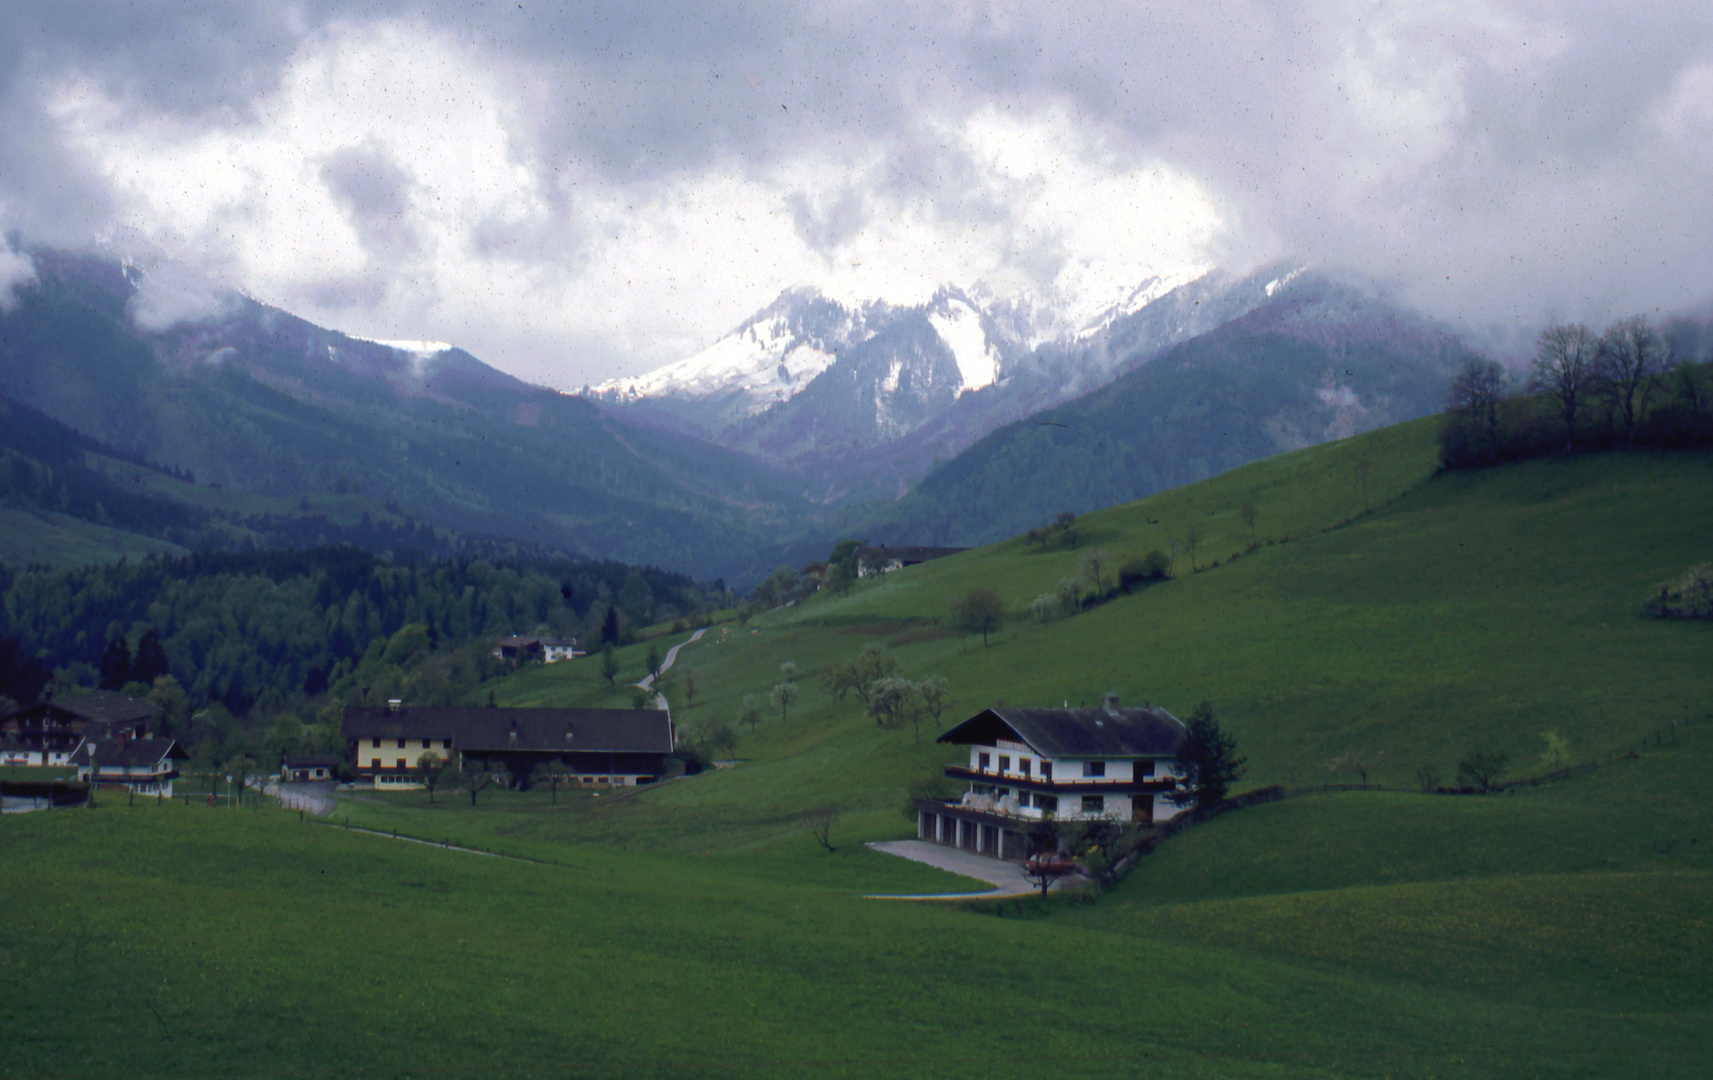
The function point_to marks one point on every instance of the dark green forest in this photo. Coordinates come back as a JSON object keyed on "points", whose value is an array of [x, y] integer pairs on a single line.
{"points": [[235, 646]]}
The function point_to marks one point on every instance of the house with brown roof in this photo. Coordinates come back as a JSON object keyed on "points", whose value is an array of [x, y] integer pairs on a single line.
{"points": [[594, 747], [49, 732], [518, 647], [1029, 769], [145, 765]]}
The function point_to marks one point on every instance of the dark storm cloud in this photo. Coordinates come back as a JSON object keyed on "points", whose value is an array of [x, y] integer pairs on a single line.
{"points": [[375, 194]]}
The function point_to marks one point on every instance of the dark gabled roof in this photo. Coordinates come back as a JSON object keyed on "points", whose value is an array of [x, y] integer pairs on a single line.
{"points": [[311, 761], [128, 753], [559, 641], [474, 730], [1059, 733], [909, 554], [518, 641], [107, 706]]}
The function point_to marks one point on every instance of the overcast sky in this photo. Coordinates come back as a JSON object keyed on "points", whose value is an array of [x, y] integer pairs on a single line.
{"points": [[590, 190]]}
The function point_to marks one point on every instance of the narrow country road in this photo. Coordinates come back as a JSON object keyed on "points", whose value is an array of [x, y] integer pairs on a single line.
{"points": [[671, 657], [317, 798]]}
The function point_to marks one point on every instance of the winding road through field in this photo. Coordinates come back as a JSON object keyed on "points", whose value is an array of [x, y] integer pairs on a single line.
{"points": [[671, 658]]}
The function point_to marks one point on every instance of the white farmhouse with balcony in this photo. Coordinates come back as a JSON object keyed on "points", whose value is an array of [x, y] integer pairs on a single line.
{"points": [[1028, 767]]}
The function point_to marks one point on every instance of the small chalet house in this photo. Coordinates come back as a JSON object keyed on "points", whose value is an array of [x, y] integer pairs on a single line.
{"points": [[147, 765], [881, 559], [49, 732], [308, 768], [596, 747], [1028, 767], [555, 649]]}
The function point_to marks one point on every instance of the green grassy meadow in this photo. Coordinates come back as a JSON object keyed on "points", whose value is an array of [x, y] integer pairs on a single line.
{"points": [[696, 929]]}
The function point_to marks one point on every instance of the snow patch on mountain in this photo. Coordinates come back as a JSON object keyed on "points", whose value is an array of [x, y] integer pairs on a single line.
{"points": [[1150, 290], [420, 352], [959, 326], [1280, 282], [767, 359]]}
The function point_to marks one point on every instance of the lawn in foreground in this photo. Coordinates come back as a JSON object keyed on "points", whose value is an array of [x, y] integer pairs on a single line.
{"points": [[187, 942]]}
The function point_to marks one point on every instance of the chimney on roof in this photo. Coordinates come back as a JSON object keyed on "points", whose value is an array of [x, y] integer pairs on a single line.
{"points": [[1110, 703], [395, 704], [511, 736]]}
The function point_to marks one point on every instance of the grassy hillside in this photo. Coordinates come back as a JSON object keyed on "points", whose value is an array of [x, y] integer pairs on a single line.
{"points": [[697, 929], [1465, 612]]}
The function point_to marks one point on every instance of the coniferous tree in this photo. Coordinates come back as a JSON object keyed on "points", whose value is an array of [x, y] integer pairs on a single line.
{"points": [[115, 664], [1207, 761], [151, 660]]}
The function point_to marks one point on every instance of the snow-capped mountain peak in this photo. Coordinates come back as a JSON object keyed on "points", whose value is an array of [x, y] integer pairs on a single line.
{"points": [[768, 358], [1135, 299]]}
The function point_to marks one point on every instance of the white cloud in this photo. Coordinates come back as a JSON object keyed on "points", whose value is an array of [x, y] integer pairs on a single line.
{"points": [[391, 187], [574, 196], [16, 269]]}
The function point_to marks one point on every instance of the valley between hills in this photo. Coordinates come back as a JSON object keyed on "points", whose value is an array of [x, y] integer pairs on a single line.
{"points": [[1371, 606]]}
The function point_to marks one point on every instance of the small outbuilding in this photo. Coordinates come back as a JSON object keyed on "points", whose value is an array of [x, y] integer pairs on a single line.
{"points": [[308, 768]]}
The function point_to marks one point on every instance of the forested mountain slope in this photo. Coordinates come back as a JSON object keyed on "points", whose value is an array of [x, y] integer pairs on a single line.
{"points": [[1318, 362], [259, 401]]}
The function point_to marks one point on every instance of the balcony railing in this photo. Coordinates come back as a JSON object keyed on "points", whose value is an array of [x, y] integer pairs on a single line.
{"points": [[1090, 785]]}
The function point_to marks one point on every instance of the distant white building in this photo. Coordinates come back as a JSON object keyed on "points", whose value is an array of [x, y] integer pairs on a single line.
{"points": [[147, 765], [555, 649], [1028, 767]]}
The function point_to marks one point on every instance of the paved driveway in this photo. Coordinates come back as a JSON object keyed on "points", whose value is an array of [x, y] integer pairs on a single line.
{"points": [[317, 798], [1006, 877]]}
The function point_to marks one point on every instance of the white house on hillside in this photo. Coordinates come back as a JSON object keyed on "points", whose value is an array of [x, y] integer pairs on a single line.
{"points": [[1028, 767]]}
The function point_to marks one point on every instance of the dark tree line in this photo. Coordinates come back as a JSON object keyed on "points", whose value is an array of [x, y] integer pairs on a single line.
{"points": [[1625, 387], [272, 627]]}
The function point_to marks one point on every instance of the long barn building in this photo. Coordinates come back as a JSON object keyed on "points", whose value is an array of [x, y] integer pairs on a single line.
{"points": [[598, 747]]}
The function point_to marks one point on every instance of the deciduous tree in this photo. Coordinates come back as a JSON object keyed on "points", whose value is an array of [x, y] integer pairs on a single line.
{"points": [[1482, 769], [749, 712], [1473, 399], [1095, 566], [474, 779], [1631, 358], [430, 767], [979, 611], [1564, 370], [783, 697], [820, 822], [859, 673], [936, 696], [890, 700]]}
